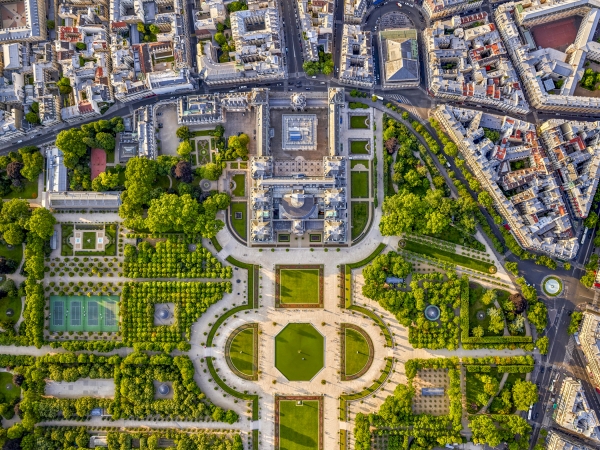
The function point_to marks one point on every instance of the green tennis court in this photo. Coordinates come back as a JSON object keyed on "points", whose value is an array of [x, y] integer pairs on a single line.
{"points": [[81, 313]]}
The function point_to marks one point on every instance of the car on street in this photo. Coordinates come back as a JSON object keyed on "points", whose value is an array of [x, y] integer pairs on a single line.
{"points": [[536, 415], [542, 370]]}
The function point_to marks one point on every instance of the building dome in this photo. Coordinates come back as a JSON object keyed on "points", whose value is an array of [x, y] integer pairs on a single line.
{"points": [[163, 389], [163, 313]]}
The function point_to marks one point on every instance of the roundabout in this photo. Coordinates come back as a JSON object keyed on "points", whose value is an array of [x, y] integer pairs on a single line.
{"points": [[552, 286]]}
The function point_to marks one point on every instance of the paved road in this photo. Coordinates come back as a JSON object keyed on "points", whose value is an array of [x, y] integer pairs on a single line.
{"points": [[291, 31]]}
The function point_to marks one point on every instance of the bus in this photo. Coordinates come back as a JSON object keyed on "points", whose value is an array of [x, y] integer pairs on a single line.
{"points": [[585, 232]]}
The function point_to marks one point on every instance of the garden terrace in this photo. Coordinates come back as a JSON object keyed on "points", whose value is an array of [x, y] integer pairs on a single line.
{"points": [[191, 300], [134, 378], [178, 258], [299, 286], [113, 437]]}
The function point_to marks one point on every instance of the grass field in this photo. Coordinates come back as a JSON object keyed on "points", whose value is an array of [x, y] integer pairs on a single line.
{"points": [[7, 388], [358, 122], [359, 184], [239, 225], [30, 191], [357, 352], [240, 185], [359, 162], [299, 286], [241, 351], [89, 240], [299, 351], [360, 216], [444, 255], [299, 425], [66, 249], [359, 147], [15, 253], [13, 303]]}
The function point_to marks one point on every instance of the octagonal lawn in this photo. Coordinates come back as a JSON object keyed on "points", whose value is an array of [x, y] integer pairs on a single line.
{"points": [[299, 351]]}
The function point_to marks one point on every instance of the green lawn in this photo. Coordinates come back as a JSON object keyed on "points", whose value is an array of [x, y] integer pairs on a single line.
{"points": [[240, 185], [360, 216], [299, 425], [358, 122], [359, 162], [240, 225], [30, 191], [13, 303], [475, 305], [447, 256], [89, 240], [66, 249], [357, 352], [241, 351], [359, 147], [475, 387], [452, 234], [299, 351], [359, 184], [110, 157], [7, 388], [15, 253], [299, 286]]}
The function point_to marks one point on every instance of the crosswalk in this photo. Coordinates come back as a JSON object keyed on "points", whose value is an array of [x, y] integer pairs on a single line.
{"points": [[399, 98]]}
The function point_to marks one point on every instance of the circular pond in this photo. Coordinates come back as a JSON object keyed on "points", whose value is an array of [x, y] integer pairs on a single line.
{"points": [[432, 312]]}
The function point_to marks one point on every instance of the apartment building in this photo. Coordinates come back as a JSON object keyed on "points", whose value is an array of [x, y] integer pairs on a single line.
{"points": [[354, 11], [550, 76], [399, 50], [316, 20], [25, 22], [589, 336], [556, 441], [526, 182], [356, 59], [467, 61], [573, 411], [438, 9], [257, 57]]}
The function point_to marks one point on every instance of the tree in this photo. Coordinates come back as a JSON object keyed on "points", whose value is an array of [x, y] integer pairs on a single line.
{"points": [[391, 145], [15, 432], [141, 27], [64, 86], [184, 149], [525, 394], [33, 164], [220, 39], [41, 223], [154, 29], [239, 145], [80, 46], [105, 141], [538, 315], [489, 297], [221, 200], [70, 142], [567, 266], [478, 331], [576, 319], [210, 171], [140, 174], [484, 431], [105, 181], [7, 266], [512, 267], [183, 133], [13, 170], [32, 118], [496, 324], [519, 302], [50, 24], [542, 345], [591, 220], [183, 171], [485, 199]]}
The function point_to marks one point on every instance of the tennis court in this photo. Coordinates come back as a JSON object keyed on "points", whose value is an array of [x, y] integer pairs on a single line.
{"points": [[79, 313]]}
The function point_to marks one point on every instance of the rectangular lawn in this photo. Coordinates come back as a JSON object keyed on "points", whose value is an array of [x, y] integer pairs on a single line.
{"points": [[239, 225], [89, 240], [360, 215], [240, 185], [359, 184], [299, 425], [299, 286], [452, 258], [358, 122], [359, 147]]}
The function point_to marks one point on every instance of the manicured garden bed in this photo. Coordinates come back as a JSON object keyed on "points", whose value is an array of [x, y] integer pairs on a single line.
{"points": [[240, 185], [299, 351], [359, 122], [359, 184], [239, 225], [299, 424], [359, 147], [449, 257], [360, 216], [357, 352], [299, 286]]}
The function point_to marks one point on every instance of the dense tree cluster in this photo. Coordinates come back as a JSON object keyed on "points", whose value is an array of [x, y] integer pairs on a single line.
{"points": [[17, 167], [134, 378], [191, 300], [494, 429], [408, 305], [171, 259]]}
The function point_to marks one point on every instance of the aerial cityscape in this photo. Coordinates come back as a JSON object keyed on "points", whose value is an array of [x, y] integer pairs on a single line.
{"points": [[300, 225]]}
